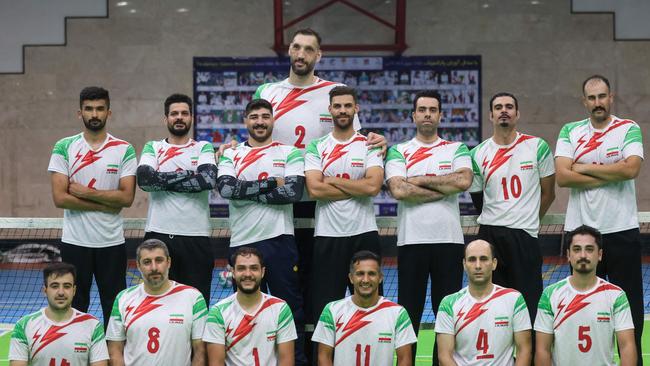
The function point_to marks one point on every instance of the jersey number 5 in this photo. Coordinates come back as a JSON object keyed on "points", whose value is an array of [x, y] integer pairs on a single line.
{"points": [[583, 337]]}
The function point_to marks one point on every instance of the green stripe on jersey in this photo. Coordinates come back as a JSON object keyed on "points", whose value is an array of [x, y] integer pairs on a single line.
{"points": [[567, 128], [633, 135], [98, 334], [215, 316], [543, 151], [148, 149], [200, 309], [403, 321], [259, 90], [520, 304], [207, 148], [225, 159], [129, 154], [61, 146], [461, 151], [294, 156], [285, 317], [621, 303], [394, 154], [545, 299], [312, 148], [376, 150], [326, 317], [447, 304]]}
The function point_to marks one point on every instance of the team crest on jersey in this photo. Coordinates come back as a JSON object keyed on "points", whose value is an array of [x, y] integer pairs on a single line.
{"points": [[501, 321], [194, 160], [278, 163], [526, 165], [176, 319], [444, 165], [271, 336], [613, 152], [112, 168], [603, 317], [80, 347], [325, 118], [357, 163], [385, 338]]}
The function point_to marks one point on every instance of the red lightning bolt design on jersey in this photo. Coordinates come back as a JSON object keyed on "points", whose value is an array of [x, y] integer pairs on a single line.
{"points": [[595, 140], [91, 156], [291, 101], [477, 309], [148, 305], [54, 332], [247, 324], [252, 156], [578, 303], [503, 155], [171, 152], [338, 152], [357, 321], [421, 154]]}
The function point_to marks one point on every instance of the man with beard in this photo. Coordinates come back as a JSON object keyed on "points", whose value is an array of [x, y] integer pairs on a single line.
{"points": [[598, 159], [365, 328], [93, 178], [484, 323], [579, 315], [343, 174], [58, 334], [262, 178], [158, 322], [249, 327], [514, 185], [179, 172], [426, 174]]}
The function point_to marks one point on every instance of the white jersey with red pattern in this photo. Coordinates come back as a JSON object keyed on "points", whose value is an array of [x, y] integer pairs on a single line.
{"points": [[100, 169], [612, 207], [509, 178], [251, 339], [251, 221], [157, 329], [42, 342], [364, 336], [483, 330], [583, 323], [178, 213], [350, 160]]}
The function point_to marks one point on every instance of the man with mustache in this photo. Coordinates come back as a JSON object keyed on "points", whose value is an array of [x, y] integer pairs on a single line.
{"points": [[343, 174], [249, 327], [58, 334], [261, 178], [598, 159], [579, 315], [513, 187], [179, 172], [93, 178], [158, 322], [484, 323]]}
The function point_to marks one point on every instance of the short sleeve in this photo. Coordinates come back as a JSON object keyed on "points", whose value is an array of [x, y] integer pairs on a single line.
{"points": [[374, 158], [404, 333], [633, 142], [286, 327], [148, 156], [325, 331], [462, 158], [395, 163], [563, 147], [312, 157], [199, 316], [206, 156], [19, 346], [477, 180], [226, 165], [98, 349], [129, 164], [545, 162], [215, 329], [621, 313], [58, 160], [545, 316], [115, 330], [445, 317], [520, 316], [295, 164]]}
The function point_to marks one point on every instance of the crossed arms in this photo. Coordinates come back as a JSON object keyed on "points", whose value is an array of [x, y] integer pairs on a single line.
{"points": [[422, 189]]}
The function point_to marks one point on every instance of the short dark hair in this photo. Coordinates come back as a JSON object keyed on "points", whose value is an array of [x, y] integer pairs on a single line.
{"points": [[363, 255], [59, 269], [94, 93], [177, 98], [427, 94], [307, 32], [151, 244], [343, 90], [504, 94], [492, 249], [583, 230], [595, 77], [256, 104], [245, 251]]}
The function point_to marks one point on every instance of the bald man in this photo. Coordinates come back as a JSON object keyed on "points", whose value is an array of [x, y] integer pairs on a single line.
{"points": [[483, 323]]}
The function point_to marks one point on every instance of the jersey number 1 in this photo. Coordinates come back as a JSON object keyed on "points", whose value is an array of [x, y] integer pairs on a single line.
{"points": [[366, 350]]}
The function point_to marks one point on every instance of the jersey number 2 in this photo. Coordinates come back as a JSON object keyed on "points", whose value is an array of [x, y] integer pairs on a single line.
{"points": [[515, 187], [300, 136], [366, 350]]}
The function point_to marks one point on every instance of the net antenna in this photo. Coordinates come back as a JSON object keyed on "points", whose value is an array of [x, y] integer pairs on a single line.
{"points": [[398, 27]]}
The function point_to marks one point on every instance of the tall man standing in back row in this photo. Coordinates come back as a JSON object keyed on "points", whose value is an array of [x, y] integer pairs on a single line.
{"points": [[426, 174], [514, 185], [178, 173], [598, 159], [92, 180]]}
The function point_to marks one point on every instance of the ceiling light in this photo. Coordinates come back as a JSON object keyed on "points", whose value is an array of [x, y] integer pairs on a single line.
{"points": [[133, 11], [122, 3], [486, 5], [182, 10]]}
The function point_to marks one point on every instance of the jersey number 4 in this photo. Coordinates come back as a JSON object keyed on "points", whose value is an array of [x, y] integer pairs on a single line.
{"points": [[483, 345]]}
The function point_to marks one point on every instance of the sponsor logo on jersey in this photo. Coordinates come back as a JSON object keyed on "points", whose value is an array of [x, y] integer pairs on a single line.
{"points": [[526, 165], [603, 317], [325, 118], [176, 319], [112, 168], [279, 163], [612, 152], [80, 348], [444, 165], [270, 336], [357, 163], [385, 338], [501, 321]]}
